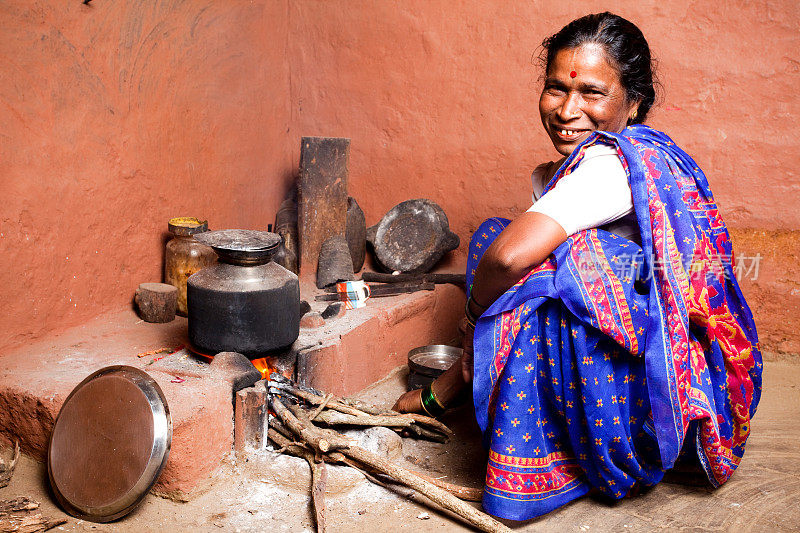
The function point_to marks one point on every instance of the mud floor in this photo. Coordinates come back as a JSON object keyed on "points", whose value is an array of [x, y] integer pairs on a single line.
{"points": [[762, 496]]}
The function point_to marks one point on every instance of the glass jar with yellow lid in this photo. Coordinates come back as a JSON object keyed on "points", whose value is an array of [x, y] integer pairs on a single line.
{"points": [[185, 255]]}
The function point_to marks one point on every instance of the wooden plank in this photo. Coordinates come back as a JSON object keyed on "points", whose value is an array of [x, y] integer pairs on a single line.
{"points": [[322, 196]]}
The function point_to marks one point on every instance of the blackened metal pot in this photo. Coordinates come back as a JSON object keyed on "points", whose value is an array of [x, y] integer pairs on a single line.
{"points": [[245, 303]]}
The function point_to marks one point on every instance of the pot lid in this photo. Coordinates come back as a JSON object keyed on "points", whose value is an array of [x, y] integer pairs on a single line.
{"points": [[110, 442], [241, 246]]}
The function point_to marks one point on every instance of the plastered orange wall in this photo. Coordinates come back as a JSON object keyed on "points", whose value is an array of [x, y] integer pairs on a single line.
{"points": [[440, 98], [441, 101], [118, 115]]}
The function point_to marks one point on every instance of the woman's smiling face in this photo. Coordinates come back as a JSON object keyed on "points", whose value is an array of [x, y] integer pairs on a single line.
{"points": [[594, 99]]}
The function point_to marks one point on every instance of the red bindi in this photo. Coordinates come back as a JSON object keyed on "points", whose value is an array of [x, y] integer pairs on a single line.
{"points": [[573, 74]]}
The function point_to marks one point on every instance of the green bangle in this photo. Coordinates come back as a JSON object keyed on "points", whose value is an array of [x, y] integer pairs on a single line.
{"points": [[425, 411], [431, 403]]}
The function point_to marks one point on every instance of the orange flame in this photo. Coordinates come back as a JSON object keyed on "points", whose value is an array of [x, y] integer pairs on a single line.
{"points": [[265, 366]]}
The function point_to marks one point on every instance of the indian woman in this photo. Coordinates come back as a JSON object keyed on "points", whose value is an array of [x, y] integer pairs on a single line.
{"points": [[607, 336]]}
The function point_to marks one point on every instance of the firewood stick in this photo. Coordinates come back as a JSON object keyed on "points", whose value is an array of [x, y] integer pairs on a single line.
{"points": [[334, 418], [321, 406], [357, 408], [315, 399], [321, 440], [425, 420], [292, 423], [461, 492], [319, 474], [373, 410], [319, 480], [403, 490], [349, 405], [469, 494], [425, 433], [481, 520], [293, 448], [275, 423], [334, 438]]}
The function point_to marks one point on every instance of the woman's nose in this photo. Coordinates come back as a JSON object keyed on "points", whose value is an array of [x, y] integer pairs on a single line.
{"points": [[570, 108]]}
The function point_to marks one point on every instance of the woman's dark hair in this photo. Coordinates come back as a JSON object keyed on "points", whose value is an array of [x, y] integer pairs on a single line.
{"points": [[625, 46]]}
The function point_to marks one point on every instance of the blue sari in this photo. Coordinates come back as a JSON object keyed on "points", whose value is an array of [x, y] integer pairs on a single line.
{"points": [[607, 361]]}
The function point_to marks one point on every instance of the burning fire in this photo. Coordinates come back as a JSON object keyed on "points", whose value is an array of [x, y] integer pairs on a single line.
{"points": [[267, 365], [263, 365]]}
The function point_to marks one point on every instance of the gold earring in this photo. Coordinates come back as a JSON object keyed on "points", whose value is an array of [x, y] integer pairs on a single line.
{"points": [[635, 112]]}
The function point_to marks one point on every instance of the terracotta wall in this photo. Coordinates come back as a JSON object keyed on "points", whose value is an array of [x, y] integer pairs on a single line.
{"points": [[118, 115], [440, 99]]}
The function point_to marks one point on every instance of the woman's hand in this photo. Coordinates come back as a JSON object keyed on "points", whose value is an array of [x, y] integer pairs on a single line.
{"points": [[446, 387], [410, 402]]}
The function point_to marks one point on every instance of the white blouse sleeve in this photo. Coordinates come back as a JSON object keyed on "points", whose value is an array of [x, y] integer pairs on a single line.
{"points": [[594, 194]]}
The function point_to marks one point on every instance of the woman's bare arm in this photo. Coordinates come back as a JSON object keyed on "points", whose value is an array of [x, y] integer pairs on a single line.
{"points": [[524, 244]]}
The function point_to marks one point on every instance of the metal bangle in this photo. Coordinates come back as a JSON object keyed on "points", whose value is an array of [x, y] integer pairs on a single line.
{"points": [[431, 404], [472, 318], [483, 307], [422, 402]]}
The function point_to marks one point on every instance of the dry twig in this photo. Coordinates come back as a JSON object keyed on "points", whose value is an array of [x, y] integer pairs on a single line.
{"points": [[319, 474], [360, 409], [15, 517], [298, 422], [321, 440], [321, 406]]}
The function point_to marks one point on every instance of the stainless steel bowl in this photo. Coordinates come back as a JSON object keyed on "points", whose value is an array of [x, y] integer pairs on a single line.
{"points": [[426, 363]]}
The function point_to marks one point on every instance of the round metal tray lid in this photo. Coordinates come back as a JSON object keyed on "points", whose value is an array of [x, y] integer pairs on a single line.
{"points": [[110, 442]]}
